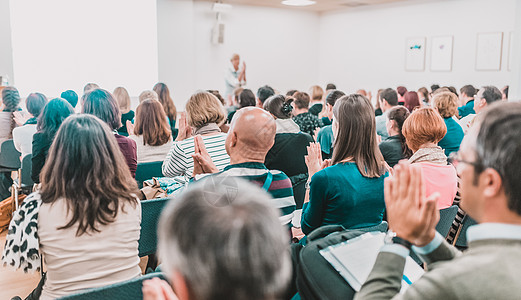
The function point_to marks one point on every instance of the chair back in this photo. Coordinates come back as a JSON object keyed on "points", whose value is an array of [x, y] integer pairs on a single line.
{"points": [[26, 170], [146, 171], [130, 289], [462, 236], [9, 156], [150, 213], [447, 216]]}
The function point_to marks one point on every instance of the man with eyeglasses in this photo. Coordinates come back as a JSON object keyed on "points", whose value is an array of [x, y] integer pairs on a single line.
{"points": [[485, 96], [489, 165]]}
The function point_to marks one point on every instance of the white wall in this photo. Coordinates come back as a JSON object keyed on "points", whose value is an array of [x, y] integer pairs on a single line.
{"points": [[365, 48], [6, 50]]}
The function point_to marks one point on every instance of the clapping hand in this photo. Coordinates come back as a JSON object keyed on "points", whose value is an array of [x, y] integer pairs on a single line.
{"points": [[314, 160], [411, 215], [20, 118], [157, 289], [203, 163], [130, 127], [185, 131]]}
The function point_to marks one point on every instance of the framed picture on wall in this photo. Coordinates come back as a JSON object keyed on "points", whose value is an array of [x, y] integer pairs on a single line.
{"points": [[489, 47], [415, 54], [441, 53]]}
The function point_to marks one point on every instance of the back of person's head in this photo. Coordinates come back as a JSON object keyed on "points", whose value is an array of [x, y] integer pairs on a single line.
{"points": [[90, 87], [401, 90], [218, 95], [504, 92], [123, 99], [411, 101], [70, 96], [390, 96], [317, 93], [103, 105], [330, 86], [441, 90], [423, 126], [246, 98], [301, 100], [53, 115], [356, 137], [11, 99], [333, 96], [424, 93], [148, 94], [86, 168], [290, 93], [468, 90], [264, 93], [226, 242], [151, 123], [498, 147], [434, 87], [446, 103], [164, 98], [35, 103], [362, 92], [252, 133], [203, 108], [491, 94], [398, 115], [236, 93], [279, 106], [452, 90]]}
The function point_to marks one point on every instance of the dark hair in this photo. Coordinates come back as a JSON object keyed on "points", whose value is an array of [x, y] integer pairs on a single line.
{"points": [[452, 90], [217, 94], [498, 147], [11, 100], [279, 106], [390, 96], [333, 96], [401, 90], [35, 103], [411, 101], [164, 97], [424, 92], [102, 104], [151, 123], [434, 87], [247, 98], [52, 116], [291, 93], [330, 86], [468, 90], [86, 168], [71, 97], [399, 114], [301, 100], [504, 91], [356, 137], [264, 93], [491, 94]]}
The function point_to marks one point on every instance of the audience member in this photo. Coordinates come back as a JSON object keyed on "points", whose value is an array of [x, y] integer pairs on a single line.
{"points": [[49, 121], [488, 166], [423, 130], [330, 87], [244, 226], [169, 107], [423, 95], [289, 149], [123, 99], [246, 98], [10, 104], [504, 93], [348, 190], [485, 96], [452, 90], [87, 213], [446, 104], [151, 132], [148, 94], [434, 87], [71, 97], [290, 93], [388, 99], [401, 90], [203, 114], [235, 100], [23, 135], [411, 101], [325, 136], [378, 110], [263, 93], [102, 104], [466, 98], [301, 115], [394, 148], [89, 87], [315, 105]]}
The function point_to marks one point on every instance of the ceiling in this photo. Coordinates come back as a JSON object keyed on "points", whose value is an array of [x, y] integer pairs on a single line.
{"points": [[320, 6]]}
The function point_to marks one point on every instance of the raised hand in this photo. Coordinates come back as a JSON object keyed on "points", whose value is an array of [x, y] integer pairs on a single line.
{"points": [[20, 118], [410, 214], [185, 131], [314, 159], [130, 127]]}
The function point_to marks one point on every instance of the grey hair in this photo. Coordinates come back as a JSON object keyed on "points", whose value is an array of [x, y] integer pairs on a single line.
{"points": [[491, 94], [226, 241]]}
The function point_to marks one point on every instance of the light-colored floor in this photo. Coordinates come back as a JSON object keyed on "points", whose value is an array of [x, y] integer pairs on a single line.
{"points": [[15, 283]]}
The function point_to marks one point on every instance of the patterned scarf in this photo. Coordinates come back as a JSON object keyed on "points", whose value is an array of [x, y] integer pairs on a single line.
{"points": [[429, 154], [208, 128]]}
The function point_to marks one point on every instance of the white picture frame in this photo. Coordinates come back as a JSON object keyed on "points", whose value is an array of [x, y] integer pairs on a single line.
{"points": [[415, 54], [489, 48], [441, 53]]}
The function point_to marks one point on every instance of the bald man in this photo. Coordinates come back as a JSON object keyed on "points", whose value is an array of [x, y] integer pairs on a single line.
{"points": [[251, 136]]}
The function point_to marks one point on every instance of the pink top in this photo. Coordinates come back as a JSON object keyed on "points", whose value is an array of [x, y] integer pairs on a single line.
{"points": [[442, 179]]}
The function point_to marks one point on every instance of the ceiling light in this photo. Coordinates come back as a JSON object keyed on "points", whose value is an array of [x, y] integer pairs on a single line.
{"points": [[298, 2]]}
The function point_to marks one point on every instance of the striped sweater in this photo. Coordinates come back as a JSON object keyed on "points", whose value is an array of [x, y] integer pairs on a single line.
{"points": [[280, 188], [179, 161]]}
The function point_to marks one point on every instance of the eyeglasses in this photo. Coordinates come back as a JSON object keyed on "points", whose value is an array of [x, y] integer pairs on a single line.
{"points": [[455, 160]]}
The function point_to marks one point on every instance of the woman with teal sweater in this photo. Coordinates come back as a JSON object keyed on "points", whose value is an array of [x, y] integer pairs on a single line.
{"points": [[349, 189], [446, 103]]}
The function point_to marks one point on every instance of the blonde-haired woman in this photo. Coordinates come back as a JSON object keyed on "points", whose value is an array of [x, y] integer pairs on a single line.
{"points": [[123, 99], [316, 105], [204, 114], [446, 103]]}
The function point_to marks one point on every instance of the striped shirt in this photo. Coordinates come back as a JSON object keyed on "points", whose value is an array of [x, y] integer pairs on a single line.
{"points": [[280, 188], [179, 161]]}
